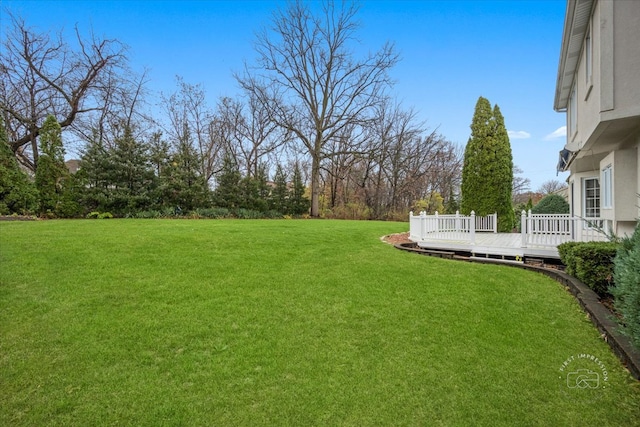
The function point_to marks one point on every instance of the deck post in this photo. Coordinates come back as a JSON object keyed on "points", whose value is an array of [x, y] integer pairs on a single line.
{"points": [[530, 227], [423, 225], [523, 228], [437, 227], [495, 222], [410, 224], [472, 228], [458, 228]]}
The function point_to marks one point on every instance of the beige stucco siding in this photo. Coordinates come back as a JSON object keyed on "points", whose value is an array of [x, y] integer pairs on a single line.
{"points": [[626, 56]]}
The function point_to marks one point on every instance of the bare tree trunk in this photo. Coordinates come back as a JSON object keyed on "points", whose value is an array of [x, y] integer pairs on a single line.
{"points": [[315, 187]]}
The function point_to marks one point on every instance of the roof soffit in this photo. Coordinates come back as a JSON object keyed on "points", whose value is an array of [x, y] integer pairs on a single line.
{"points": [[575, 26]]}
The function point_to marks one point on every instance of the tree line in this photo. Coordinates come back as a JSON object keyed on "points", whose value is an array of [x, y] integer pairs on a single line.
{"points": [[312, 125], [309, 115], [134, 179]]}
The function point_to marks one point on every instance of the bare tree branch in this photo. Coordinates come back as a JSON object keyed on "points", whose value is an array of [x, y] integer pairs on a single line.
{"points": [[309, 82], [41, 76]]}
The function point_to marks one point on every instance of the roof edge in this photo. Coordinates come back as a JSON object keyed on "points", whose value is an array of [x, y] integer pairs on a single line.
{"points": [[574, 26]]}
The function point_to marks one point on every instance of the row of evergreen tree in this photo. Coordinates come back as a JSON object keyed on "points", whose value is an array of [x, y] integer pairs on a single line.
{"points": [[130, 178]]}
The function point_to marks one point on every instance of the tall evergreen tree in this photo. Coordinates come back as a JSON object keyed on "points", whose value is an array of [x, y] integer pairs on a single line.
{"points": [[96, 172], [280, 193], [264, 192], [487, 173], [249, 194], [50, 169], [298, 202], [17, 192], [182, 185], [159, 152], [133, 179], [228, 192], [503, 174]]}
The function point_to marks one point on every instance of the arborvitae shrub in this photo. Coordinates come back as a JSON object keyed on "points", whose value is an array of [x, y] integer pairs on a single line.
{"points": [[626, 291], [590, 262]]}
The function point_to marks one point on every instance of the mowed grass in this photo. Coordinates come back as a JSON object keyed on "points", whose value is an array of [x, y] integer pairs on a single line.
{"points": [[187, 322]]}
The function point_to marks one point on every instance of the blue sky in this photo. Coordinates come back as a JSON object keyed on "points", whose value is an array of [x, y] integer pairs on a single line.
{"points": [[452, 52]]}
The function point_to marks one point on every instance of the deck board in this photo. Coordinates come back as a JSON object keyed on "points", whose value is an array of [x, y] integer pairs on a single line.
{"points": [[498, 244]]}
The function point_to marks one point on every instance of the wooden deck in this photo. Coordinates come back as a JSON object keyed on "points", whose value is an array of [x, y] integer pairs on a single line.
{"points": [[491, 245]]}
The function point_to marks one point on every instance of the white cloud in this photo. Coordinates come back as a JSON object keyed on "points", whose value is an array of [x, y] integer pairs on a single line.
{"points": [[561, 132], [519, 134]]}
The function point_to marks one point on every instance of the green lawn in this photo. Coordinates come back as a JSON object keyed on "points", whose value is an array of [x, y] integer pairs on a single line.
{"points": [[204, 322]]}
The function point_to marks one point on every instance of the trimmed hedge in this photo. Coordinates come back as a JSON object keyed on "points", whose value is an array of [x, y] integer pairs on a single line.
{"points": [[590, 262], [565, 251], [626, 291]]}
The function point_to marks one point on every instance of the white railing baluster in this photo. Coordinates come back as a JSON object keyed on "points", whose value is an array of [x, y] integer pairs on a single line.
{"points": [[449, 227], [544, 230], [550, 230]]}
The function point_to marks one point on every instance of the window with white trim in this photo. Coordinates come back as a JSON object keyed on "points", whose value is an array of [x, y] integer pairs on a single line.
{"points": [[607, 188], [591, 198]]}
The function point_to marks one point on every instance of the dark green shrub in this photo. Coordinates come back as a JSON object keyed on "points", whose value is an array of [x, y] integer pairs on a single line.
{"points": [[273, 214], [594, 264], [148, 214], [551, 204], [168, 213], [213, 213], [565, 251], [248, 214], [626, 291]]}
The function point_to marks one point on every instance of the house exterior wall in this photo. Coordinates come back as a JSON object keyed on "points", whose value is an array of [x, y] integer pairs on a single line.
{"points": [[603, 109], [626, 59], [611, 90], [587, 102], [624, 189]]}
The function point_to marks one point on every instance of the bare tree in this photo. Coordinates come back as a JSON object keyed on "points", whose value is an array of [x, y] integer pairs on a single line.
{"points": [[338, 168], [40, 75], [309, 82], [191, 121], [520, 187], [445, 170], [551, 186], [400, 164], [250, 135], [123, 101]]}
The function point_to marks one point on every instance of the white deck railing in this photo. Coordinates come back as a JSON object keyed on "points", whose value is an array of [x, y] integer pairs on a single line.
{"points": [[537, 230], [450, 227], [549, 230]]}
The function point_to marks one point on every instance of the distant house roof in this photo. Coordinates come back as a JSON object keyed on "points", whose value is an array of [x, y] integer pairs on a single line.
{"points": [[72, 165]]}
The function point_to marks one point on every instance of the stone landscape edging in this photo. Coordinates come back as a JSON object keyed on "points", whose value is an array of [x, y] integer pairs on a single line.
{"points": [[600, 315]]}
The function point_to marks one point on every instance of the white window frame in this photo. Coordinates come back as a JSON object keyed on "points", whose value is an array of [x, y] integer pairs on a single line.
{"points": [[606, 189], [591, 211]]}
